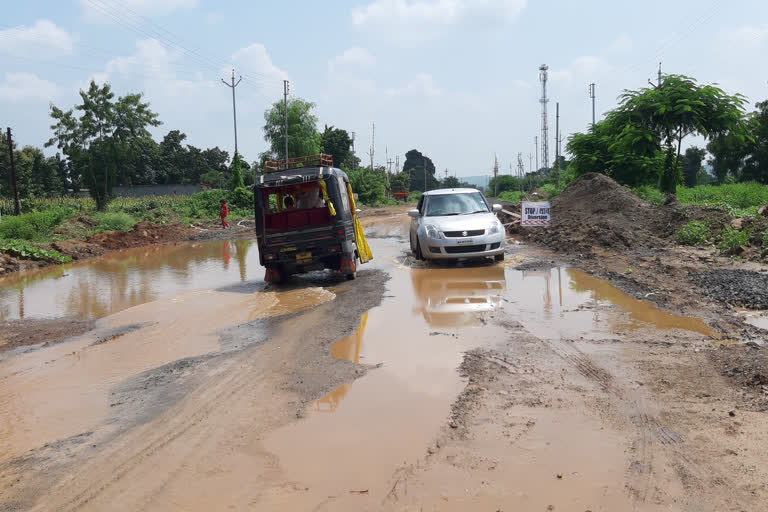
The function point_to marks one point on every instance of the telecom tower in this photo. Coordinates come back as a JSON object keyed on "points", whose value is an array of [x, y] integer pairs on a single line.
{"points": [[544, 128]]}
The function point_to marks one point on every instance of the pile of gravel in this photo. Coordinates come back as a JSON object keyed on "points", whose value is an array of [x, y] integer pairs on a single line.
{"points": [[743, 288]]}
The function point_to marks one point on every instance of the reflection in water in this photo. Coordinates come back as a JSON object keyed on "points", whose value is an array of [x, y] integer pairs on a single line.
{"points": [[347, 348], [122, 279], [453, 297], [578, 309]]}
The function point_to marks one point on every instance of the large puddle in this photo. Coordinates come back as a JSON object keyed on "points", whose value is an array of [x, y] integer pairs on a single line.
{"points": [[99, 287], [383, 421]]}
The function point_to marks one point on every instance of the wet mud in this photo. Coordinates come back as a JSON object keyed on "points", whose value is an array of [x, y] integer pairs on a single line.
{"points": [[525, 386]]}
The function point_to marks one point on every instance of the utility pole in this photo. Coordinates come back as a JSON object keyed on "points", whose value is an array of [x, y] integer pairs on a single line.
{"points": [[557, 136], [397, 164], [530, 162], [373, 143], [14, 191], [592, 95], [495, 176], [536, 143], [424, 164], [543, 75], [286, 86], [659, 81], [234, 110], [520, 171]]}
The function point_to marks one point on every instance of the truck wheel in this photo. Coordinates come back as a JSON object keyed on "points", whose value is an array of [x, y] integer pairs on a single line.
{"points": [[351, 276]]}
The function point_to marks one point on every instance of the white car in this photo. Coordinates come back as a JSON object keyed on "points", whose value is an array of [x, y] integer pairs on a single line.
{"points": [[456, 223]]}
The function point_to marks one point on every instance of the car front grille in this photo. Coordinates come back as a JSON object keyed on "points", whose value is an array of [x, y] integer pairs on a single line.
{"points": [[460, 234], [461, 249]]}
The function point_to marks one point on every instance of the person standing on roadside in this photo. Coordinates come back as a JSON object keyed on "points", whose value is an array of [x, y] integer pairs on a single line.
{"points": [[223, 212]]}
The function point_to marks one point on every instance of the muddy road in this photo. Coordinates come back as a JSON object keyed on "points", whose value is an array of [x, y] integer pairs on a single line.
{"points": [[174, 378]]}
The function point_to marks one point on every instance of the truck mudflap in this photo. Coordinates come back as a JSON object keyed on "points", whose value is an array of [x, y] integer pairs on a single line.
{"points": [[348, 264]]}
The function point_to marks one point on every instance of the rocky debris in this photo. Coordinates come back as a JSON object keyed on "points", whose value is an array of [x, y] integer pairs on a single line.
{"points": [[738, 224], [78, 249], [744, 288], [144, 233], [763, 211]]}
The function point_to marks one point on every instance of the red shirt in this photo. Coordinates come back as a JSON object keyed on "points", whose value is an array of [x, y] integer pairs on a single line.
{"points": [[224, 211]]}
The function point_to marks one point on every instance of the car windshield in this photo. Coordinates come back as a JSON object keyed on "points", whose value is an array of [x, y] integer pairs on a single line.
{"points": [[455, 204]]}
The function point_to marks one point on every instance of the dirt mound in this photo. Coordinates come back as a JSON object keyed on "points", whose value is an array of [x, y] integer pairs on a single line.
{"points": [[594, 211], [744, 288], [144, 233], [77, 249]]}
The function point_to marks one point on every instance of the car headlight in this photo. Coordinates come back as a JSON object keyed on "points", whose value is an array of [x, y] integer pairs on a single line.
{"points": [[432, 231], [495, 228]]}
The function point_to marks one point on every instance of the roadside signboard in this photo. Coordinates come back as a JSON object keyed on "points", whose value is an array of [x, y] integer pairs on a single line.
{"points": [[535, 214]]}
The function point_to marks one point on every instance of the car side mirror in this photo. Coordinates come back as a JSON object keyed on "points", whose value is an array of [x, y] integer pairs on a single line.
{"points": [[358, 210], [414, 213], [496, 208]]}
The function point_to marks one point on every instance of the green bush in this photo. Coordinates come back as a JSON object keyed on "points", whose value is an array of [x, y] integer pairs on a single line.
{"points": [[693, 233], [651, 194], [731, 239], [241, 197], [115, 221], [511, 196], [415, 196], [550, 189], [33, 225], [23, 249], [764, 239]]}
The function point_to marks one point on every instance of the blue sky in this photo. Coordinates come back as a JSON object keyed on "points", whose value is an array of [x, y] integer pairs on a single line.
{"points": [[456, 79]]}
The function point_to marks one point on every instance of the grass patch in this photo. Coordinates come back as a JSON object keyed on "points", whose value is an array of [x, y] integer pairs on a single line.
{"points": [[34, 225], [764, 239], [732, 239], [651, 194], [511, 196], [114, 221], [740, 199], [694, 233]]}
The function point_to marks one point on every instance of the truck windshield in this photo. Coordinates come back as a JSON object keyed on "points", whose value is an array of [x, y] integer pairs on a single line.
{"points": [[455, 204]]}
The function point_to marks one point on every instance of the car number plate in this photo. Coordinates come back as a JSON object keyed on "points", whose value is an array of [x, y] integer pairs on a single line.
{"points": [[464, 241], [303, 257]]}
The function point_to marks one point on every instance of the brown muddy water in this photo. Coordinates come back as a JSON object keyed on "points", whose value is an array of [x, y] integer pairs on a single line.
{"points": [[355, 435], [101, 286], [385, 419]]}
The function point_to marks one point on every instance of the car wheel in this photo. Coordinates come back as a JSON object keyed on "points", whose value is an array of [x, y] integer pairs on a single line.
{"points": [[418, 253], [499, 257]]}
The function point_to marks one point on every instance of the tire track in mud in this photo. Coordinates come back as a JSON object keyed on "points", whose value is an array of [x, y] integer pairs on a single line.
{"points": [[651, 435]]}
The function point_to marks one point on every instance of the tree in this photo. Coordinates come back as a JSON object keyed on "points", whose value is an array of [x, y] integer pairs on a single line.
{"points": [[414, 165], [504, 183], [627, 154], [400, 182], [212, 179], [337, 143], [450, 182], [369, 185], [672, 110], [692, 165], [303, 138], [236, 173], [756, 164], [173, 158], [98, 141]]}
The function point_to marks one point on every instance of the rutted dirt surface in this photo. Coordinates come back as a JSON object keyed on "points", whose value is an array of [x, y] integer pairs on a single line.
{"points": [[529, 385]]}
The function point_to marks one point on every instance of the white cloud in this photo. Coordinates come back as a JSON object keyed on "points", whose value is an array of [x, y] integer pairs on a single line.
{"points": [[254, 62], [107, 11], [423, 19], [43, 39], [747, 36], [23, 86], [353, 59]]}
